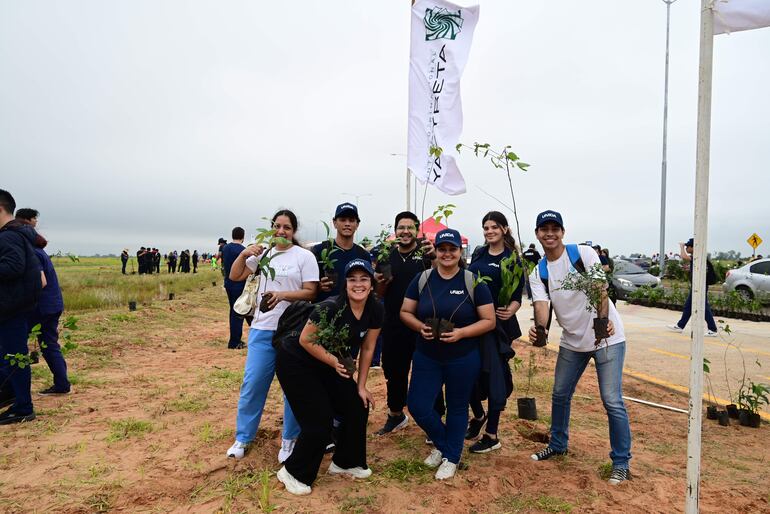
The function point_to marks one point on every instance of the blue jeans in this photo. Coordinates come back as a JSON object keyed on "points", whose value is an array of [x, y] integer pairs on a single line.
{"points": [[687, 312], [609, 369], [13, 339], [236, 321], [459, 376], [49, 338], [257, 377]]}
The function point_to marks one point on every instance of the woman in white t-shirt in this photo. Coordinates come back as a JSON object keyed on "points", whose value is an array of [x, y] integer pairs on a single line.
{"points": [[296, 278]]}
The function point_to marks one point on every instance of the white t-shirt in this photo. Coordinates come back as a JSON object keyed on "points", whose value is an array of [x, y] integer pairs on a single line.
{"points": [[570, 306], [292, 267]]}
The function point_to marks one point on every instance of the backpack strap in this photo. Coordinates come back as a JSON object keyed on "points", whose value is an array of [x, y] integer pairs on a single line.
{"points": [[573, 252], [468, 277], [574, 257]]}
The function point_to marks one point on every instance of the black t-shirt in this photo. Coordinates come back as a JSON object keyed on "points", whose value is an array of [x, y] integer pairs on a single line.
{"points": [[531, 255], [489, 266], [404, 268], [371, 318], [343, 257]]}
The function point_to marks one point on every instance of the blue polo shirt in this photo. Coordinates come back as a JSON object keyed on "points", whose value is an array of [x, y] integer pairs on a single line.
{"points": [[230, 252], [50, 300], [448, 299]]}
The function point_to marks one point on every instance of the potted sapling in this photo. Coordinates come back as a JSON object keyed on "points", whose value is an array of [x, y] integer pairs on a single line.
{"points": [[334, 338], [511, 273], [593, 284], [383, 247], [327, 263], [268, 237], [751, 398], [711, 410], [526, 405]]}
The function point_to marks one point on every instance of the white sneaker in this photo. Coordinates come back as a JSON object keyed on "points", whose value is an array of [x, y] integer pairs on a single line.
{"points": [[237, 450], [710, 333], [674, 328], [446, 470], [434, 459], [287, 446], [357, 472], [293, 485]]}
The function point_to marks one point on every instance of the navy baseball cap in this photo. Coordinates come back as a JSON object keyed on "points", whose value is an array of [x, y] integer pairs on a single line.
{"points": [[690, 242], [549, 217], [346, 209], [451, 236], [359, 264]]}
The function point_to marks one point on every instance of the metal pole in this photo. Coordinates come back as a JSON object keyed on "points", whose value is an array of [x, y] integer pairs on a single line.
{"points": [[699, 256], [408, 189], [662, 255]]}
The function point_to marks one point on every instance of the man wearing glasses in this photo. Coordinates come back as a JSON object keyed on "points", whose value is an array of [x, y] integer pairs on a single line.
{"points": [[410, 257]]}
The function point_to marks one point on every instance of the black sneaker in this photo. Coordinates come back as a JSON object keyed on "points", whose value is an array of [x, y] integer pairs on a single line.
{"points": [[547, 453], [474, 427], [52, 391], [485, 444], [619, 475], [237, 346], [8, 417], [393, 423], [330, 448]]}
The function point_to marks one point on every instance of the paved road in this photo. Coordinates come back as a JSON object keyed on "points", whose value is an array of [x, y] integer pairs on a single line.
{"points": [[659, 355]]}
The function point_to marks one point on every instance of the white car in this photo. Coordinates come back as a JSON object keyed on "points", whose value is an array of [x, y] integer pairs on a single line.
{"points": [[751, 280]]}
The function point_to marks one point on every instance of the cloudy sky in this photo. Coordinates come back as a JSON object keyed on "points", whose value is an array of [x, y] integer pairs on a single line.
{"points": [[168, 123]]}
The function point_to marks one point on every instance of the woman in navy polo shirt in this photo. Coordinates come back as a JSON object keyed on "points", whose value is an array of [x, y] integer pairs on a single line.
{"points": [[499, 245], [454, 361], [318, 386]]}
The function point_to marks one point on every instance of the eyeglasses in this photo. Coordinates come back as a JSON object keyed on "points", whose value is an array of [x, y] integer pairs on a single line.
{"points": [[410, 228]]}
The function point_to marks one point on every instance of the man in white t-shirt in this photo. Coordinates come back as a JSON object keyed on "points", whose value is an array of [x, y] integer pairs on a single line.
{"points": [[578, 345]]}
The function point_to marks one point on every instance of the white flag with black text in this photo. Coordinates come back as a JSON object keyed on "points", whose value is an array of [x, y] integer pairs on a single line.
{"points": [[737, 15], [440, 43]]}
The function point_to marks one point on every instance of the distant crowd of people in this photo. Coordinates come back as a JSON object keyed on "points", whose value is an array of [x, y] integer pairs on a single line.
{"points": [[149, 260]]}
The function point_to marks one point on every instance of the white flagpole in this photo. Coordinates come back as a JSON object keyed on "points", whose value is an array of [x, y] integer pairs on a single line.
{"points": [[699, 256]]}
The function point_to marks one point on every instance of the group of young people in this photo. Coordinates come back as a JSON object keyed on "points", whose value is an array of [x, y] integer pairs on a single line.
{"points": [[148, 260], [30, 296], [442, 320]]}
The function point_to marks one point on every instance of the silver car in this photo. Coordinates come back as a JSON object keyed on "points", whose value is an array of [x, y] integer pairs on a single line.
{"points": [[627, 277], [751, 280]]}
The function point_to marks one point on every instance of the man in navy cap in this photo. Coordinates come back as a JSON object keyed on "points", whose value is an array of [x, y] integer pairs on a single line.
{"points": [[685, 252], [344, 249], [578, 342]]}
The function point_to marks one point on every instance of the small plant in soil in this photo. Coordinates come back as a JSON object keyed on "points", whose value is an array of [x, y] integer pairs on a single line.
{"points": [[711, 410], [593, 284], [334, 338], [327, 263], [526, 405], [34, 355], [750, 399], [384, 247]]}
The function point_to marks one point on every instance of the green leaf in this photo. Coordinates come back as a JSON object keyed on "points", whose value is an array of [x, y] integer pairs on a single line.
{"points": [[458, 146], [512, 156]]}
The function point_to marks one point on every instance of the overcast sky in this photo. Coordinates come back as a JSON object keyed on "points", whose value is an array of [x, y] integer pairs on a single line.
{"points": [[169, 122]]}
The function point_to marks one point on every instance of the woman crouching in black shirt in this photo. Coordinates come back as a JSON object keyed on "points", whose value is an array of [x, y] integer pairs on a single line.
{"points": [[318, 385]]}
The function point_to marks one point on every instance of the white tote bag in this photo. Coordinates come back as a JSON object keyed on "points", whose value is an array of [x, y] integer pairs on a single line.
{"points": [[246, 304]]}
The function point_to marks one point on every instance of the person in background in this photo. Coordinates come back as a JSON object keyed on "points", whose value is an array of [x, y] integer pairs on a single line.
{"points": [[124, 260], [488, 262], [21, 280], [318, 385], [532, 256], [195, 258], [229, 253], [47, 313], [454, 360], [685, 252]]}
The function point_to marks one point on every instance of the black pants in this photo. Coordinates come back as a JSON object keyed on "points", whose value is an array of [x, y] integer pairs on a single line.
{"points": [[315, 394], [124, 267], [398, 344], [236, 321]]}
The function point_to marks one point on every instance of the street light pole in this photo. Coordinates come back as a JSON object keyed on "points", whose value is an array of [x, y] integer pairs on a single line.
{"points": [[662, 254]]}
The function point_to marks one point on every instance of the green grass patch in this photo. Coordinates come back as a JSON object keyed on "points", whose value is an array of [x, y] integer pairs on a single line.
{"points": [[123, 429], [605, 470], [81, 379], [224, 379], [358, 504], [186, 404], [404, 470], [543, 503], [206, 433]]}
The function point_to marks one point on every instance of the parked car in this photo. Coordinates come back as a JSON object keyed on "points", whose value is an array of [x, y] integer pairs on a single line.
{"points": [[627, 277], [751, 280]]}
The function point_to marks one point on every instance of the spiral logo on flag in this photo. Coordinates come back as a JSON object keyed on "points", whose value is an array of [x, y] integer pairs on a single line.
{"points": [[442, 24]]}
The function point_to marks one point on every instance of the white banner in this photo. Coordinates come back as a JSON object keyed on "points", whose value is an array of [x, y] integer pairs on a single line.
{"points": [[737, 15], [441, 40]]}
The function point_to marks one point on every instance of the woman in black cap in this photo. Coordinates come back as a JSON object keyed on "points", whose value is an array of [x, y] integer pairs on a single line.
{"points": [[318, 385]]}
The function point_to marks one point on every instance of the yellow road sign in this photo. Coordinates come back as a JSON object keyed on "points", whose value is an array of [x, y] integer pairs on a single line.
{"points": [[754, 240]]}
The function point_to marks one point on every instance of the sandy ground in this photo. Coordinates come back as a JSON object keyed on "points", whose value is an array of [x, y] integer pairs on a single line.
{"points": [[152, 414]]}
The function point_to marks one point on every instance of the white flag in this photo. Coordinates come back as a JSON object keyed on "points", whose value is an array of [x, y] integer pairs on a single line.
{"points": [[441, 40], [737, 15]]}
